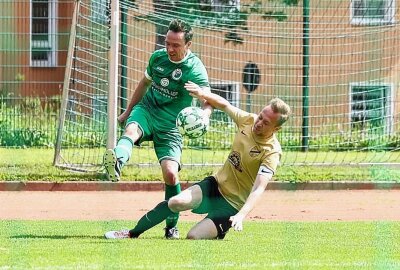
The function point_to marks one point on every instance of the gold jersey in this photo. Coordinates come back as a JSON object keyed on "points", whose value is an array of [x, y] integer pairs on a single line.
{"points": [[236, 178]]}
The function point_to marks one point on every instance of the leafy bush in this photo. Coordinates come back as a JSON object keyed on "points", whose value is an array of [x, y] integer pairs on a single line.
{"points": [[23, 137], [32, 122], [29, 123]]}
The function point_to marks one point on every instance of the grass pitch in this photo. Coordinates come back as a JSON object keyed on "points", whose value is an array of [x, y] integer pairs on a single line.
{"points": [[36, 165], [262, 245]]}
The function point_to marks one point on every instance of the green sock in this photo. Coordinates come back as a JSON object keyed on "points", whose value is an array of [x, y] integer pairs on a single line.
{"points": [[171, 191], [123, 150], [151, 219]]}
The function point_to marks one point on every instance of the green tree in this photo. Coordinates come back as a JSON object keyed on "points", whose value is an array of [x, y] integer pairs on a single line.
{"points": [[227, 16]]}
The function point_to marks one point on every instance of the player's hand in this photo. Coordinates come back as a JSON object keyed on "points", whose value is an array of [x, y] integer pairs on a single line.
{"points": [[122, 118], [237, 222], [194, 89]]}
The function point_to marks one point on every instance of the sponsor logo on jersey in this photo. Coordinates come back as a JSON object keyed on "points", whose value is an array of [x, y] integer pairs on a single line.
{"points": [[160, 69], [254, 151], [234, 159], [164, 91], [164, 82], [177, 74]]}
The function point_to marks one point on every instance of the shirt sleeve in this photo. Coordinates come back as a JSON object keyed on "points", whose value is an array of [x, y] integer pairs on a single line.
{"points": [[271, 161], [149, 70], [199, 75], [241, 117], [264, 170]]}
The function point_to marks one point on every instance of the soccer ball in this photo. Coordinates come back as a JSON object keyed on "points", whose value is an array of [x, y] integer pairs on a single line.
{"points": [[191, 122]]}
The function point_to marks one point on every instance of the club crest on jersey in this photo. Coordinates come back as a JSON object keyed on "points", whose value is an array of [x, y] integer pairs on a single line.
{"points": [[177, 74], [164, 82], [254, 151], [234, 159]]}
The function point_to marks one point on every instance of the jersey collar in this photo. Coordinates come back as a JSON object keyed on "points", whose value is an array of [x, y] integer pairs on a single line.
{"points": [[184, 58]]}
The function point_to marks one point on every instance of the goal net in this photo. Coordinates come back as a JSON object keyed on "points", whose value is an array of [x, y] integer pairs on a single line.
{"points": [[336, 63]]}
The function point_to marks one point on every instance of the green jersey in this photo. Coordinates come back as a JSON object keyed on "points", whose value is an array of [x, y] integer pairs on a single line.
{"points": [[167, 96]]}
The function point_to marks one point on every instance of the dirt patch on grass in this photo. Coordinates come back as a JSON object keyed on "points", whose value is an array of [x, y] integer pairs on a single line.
{"points": [[301, 205]]}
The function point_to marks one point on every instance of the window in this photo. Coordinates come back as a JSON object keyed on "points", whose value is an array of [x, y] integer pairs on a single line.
{"points": [[101, 11], [228, 90], [372, 12], [371, 107], [43, 30]]}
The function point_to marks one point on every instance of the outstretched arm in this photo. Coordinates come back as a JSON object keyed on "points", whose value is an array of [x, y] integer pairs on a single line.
{"points": [[212, 99], [207, 108], [258, 189]]}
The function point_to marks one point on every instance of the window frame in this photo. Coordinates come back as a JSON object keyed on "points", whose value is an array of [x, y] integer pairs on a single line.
{"points": [[388, 18], [388, 119], [233, 96], [51, 43]]}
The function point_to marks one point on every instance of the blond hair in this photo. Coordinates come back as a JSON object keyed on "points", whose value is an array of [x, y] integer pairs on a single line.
{"points": [[279, 106]]}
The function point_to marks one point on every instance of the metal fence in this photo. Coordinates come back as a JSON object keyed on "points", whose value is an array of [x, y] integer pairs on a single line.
{"points": [[353, 71], [33, 47]]}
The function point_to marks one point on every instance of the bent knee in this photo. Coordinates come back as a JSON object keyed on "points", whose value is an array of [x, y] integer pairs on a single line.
{"points": [[177, 204], [133, 131], [192, 236]]}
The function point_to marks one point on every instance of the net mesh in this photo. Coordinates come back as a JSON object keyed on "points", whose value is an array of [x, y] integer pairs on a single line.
{"points": [[335, 62]]}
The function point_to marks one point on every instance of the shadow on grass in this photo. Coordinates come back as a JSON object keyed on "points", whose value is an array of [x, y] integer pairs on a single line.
{"points": [[31, 236]]}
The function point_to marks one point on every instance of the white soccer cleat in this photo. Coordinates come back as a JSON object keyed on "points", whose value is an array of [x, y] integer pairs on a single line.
{"points": [[117, 234]]}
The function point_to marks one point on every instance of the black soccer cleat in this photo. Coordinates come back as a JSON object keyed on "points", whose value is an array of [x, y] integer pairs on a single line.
{"points": [[171, 233]]}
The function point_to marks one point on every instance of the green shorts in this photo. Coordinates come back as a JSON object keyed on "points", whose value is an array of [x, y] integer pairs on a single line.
{"points": [[217, 207], [167, 143]]}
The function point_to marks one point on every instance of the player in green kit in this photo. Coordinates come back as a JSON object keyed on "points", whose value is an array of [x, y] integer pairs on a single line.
{"points": [[154, 106]]}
